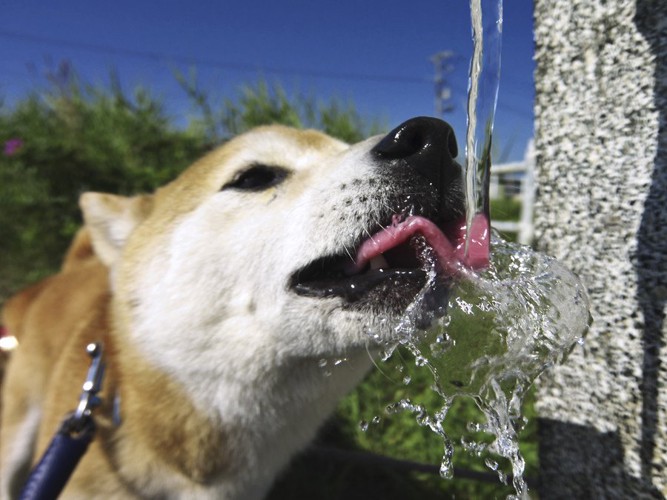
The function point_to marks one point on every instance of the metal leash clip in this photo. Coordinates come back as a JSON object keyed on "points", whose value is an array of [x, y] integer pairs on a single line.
{"points": [[80, 419], [54, 469]]}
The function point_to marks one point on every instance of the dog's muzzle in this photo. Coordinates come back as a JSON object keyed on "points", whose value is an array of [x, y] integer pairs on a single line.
{"points": [[427, 145], [421, 150]]}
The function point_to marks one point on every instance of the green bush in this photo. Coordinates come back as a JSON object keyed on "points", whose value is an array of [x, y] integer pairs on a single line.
{"points": [[74, 138], [261, 104]]}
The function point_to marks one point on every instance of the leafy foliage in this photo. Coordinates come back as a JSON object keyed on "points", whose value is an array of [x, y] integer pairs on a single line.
{"points": [[263, 103], [75, 138]]}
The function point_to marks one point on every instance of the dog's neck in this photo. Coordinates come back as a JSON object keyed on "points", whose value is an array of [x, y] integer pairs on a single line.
{"points": [[247, 432]]}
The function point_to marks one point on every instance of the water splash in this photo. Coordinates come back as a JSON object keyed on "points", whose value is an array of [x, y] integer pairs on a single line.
{"points": [[504, 327], [505, 324]]}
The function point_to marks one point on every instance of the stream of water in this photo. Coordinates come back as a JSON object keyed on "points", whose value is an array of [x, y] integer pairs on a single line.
{"points": [[486, 18], [507, 323]]}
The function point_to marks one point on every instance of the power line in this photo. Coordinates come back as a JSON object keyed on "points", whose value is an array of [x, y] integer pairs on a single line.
{"points": [[228, 65], [163, 57]]}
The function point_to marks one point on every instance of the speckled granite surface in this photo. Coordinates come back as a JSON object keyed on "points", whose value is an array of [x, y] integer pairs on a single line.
{"points": [[601, 141]]}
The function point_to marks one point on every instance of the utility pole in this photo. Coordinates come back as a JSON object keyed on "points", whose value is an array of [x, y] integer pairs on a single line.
{"points": [[443, 93]]}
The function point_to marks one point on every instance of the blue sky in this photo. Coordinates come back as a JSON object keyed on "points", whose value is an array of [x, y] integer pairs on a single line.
{"points": [[373, 53]]}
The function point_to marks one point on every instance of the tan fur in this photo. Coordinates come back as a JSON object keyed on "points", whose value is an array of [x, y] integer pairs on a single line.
{"points": [[50, 319], [169, 441], [54, 320]]}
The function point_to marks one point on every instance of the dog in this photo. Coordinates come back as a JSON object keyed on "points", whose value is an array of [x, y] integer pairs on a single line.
{"points": [[219, 297]]}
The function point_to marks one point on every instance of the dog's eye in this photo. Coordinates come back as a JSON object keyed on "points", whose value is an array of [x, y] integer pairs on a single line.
{"points": [[257, 178]]}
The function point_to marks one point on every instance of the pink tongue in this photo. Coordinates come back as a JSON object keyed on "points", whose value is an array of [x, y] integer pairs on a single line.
{"points": [[450, 254]]}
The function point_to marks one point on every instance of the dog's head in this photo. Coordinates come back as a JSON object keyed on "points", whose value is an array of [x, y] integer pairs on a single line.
{"points": [[288, 241]]}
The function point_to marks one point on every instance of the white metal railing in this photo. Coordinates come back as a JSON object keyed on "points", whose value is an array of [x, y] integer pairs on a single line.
{"points": [[499, 173]]}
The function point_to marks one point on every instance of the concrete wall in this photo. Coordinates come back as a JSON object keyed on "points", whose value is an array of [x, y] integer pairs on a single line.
{"points": [[601, 141]]}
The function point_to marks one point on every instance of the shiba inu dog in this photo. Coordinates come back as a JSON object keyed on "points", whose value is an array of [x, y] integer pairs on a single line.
{"points": [[216, 299]]}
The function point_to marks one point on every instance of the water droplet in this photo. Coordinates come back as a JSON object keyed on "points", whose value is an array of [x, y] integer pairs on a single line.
{"points": [[376, 420], [474, 427], [322, 363], [407, 379], [420, 360], [386, 354], [446, 470], [363, 425]]}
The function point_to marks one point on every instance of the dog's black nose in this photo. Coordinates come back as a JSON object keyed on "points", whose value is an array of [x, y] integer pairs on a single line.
{"points": [[426, 144]]}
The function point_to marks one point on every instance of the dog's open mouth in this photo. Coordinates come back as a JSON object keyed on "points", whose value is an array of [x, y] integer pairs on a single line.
{"points": [[400, 254]]}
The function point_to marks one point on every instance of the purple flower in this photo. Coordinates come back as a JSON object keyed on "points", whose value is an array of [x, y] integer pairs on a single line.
{"points": [[12, 146]]}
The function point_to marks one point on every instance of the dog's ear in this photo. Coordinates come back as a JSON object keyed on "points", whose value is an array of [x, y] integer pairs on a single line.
{"points": [[110, 219]]}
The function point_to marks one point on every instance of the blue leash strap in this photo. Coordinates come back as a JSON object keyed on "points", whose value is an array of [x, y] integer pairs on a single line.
{"points": [[50, 475]]}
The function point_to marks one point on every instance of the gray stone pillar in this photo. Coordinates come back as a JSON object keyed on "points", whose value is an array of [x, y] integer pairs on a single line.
{"points": [[601, 141]]}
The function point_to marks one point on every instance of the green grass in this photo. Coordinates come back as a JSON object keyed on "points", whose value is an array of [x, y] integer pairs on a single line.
{"points": [[398, 435]]}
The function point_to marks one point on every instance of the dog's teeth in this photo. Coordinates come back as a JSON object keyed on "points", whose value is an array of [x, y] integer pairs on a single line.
{"points": [[379, 262]]}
